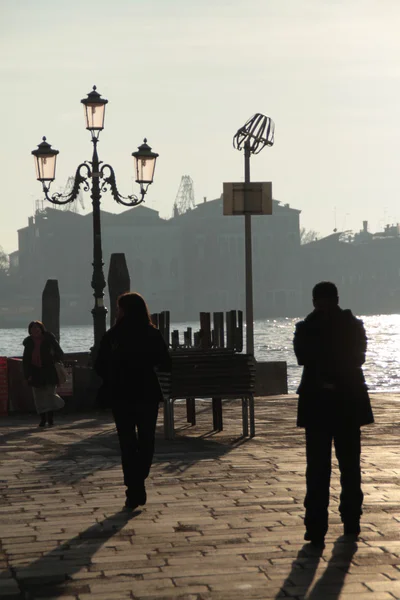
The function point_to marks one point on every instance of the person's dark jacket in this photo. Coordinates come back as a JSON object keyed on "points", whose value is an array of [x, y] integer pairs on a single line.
{"points": [[331, 346], [126, 362], [50, 353]]}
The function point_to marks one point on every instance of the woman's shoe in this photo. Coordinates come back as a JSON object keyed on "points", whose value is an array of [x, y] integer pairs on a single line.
{"points": [[131, 504], [316, 540], [352, 529], [141, 496], [136, 497], [42, 421], [50, 419]]}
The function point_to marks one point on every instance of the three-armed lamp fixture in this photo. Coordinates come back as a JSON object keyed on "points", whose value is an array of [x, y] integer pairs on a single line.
{"points": [[102, 179]]}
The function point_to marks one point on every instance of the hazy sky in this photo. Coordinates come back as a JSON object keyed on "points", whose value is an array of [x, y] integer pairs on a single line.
{"points": [[187, 74]]}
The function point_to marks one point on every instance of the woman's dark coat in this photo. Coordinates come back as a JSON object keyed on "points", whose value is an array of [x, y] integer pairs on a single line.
{"points": [[126, 361], [50, 353], [331, 347]]}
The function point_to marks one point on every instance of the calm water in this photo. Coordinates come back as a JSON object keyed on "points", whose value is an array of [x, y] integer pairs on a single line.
{"points": [[273, 341]]}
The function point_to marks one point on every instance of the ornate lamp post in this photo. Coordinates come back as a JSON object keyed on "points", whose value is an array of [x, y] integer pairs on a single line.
{"points": [[102, 178]]}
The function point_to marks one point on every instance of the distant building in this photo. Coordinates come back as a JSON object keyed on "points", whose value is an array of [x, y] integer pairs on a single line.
{"points": [[59, 245], [190, 263], [213, 250], [365, 267], [194, 262]]}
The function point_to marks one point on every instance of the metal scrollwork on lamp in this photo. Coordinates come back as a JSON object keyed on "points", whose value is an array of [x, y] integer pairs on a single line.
{"points": [[102, 179]]}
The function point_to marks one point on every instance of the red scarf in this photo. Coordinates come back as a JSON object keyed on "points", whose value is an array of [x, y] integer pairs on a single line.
{"points": [[36, 355]]}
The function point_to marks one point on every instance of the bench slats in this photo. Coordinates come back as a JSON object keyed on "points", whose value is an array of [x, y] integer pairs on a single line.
{"points": [[217, 374]]}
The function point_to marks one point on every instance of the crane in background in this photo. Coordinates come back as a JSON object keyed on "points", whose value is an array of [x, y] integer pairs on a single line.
{"points": [[73, 206], [184, 200]]}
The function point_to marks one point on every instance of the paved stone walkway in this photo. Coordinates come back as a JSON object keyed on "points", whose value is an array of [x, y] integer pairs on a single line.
{"points": [[223, 519]]}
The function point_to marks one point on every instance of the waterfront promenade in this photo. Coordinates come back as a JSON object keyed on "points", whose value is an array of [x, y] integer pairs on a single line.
{"points": [[223, 519]]}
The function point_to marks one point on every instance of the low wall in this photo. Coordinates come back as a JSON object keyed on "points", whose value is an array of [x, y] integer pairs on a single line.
{"points": [[271, 378]]}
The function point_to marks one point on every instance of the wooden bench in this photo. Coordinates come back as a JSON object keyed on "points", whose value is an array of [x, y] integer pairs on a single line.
{"points": [[216, 374]]}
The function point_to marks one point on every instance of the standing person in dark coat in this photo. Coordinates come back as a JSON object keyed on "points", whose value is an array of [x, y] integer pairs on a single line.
{"points": [[333, 403], [41, 352], [127, 356]]}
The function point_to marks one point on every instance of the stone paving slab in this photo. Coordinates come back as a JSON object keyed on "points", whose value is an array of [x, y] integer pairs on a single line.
{"points": [[223, 518]]}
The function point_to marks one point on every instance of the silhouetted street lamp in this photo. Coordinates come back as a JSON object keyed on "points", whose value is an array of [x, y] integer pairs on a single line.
{"points": [[103, 178]]}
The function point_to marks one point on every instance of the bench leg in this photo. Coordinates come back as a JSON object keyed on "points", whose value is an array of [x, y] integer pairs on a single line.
{"points": [[191, 410], [245, 417], [252, 420], [217, 414], [169, 432]]}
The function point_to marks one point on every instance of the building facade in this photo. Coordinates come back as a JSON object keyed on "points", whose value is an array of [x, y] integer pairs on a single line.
{"points": [[190, 263]]}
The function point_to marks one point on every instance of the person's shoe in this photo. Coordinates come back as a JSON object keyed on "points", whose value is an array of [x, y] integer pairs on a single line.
{"points": [[141, 496], [316, 540], [137, 497], [352, 529], [131, 504], [42, 421]]}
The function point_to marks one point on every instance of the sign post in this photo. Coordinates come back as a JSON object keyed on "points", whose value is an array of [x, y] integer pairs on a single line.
{"points": [[249, 199]]}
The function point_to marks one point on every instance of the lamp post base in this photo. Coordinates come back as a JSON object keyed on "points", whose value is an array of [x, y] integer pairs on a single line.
{"points": [[100, 326]]}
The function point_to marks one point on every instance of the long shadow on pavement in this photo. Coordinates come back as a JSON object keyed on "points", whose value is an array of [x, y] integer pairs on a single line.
{"points": [[75, 450], [303, 571], [304, 568], [84, 457], [335, 573], [52, 574]]}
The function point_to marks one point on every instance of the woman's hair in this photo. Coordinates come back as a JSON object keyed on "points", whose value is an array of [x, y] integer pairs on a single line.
{"points": [[135, 308], [39, 324]]}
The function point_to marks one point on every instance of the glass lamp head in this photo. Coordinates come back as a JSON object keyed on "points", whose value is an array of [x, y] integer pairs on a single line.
{"points": [[145, 164], [94, 109], [45, 161]]}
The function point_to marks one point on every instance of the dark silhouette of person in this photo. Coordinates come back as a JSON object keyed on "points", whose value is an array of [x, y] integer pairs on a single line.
{"points": [[333, 404], [126, 361], [41, 352]]}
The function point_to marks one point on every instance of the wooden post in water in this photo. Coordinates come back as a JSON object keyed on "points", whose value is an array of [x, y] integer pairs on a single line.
{"points": [[205, 329], [239, 333], [119, 281], [219, 341], [164, 325], [175, 339], [230, 329], [167, 325], [51, 307]]}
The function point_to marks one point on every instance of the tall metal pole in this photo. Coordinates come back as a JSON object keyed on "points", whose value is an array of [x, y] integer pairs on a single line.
{"points": [[99, 311], [248, 262]]}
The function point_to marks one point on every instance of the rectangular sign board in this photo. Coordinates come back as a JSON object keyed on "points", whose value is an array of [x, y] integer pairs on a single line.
{"points": [[253, 198]]}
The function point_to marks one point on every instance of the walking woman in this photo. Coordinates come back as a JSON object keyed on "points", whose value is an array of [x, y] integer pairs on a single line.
{"points": [[127, 356], [41, 353]]}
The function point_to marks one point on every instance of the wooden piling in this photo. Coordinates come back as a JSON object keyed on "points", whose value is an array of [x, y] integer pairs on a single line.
{"points": [[51, 307], [205, 330]]}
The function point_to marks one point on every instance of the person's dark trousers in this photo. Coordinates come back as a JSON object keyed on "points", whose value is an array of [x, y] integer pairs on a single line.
{"points": [[347, 442], [136, 426]]}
